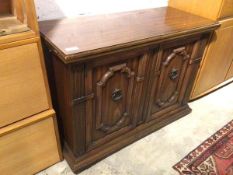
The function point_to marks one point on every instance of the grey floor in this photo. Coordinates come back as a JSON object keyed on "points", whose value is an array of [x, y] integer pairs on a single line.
{"points": [[158, 152]]}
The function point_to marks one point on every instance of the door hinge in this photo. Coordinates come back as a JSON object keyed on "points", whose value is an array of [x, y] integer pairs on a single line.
{"points": [[195, 61], [83, 99]]}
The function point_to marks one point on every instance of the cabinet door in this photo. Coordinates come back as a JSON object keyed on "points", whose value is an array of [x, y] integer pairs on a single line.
{"points": [[170, 68], [23, 92], [226, 9], [113, 82], [217, 60], [25, 149]]}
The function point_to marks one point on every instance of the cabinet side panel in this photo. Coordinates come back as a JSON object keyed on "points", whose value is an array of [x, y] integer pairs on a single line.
{"points": [[63, 107], [207, 8], [227, 9], [31, 16], [194, 64], [216, 62]]}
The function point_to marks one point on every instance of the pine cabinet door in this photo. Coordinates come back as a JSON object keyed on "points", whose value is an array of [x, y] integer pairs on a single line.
{"points": [[226, 10], [23, 90]]}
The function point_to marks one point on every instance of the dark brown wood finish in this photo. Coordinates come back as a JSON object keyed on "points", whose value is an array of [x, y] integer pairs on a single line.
{"points": [[75, 39], [114, 80], [128, 78], [5, 7], [170, 69]]}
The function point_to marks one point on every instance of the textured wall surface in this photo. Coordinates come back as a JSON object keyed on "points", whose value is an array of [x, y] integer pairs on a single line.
{"points": [[52, 9]]}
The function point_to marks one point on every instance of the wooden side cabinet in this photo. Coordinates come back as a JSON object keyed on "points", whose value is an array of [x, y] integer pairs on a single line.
{"points": [[132, 79], [112, 99], [216, 66], [29, 138], [212, 9], [218, 59]]}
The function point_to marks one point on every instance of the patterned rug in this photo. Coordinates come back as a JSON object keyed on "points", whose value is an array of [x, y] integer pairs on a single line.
{"points": [[213, 157]]}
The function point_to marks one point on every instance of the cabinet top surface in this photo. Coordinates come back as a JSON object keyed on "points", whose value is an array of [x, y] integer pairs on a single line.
{"points": [[87, 35]]}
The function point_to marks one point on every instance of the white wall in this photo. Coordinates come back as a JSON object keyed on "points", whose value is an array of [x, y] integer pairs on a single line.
{"points": [[52, 9]]}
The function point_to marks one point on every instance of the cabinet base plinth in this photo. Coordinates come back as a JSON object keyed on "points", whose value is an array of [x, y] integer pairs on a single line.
{"points": [[81, 163]]}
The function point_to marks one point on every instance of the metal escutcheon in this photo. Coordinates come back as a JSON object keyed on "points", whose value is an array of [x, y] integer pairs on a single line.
{"points": [[174, 74], [117, 95]]}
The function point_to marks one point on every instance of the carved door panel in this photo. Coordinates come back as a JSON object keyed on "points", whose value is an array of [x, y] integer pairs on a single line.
{"points": [[114, 95], [112, 112], [167, 87]]}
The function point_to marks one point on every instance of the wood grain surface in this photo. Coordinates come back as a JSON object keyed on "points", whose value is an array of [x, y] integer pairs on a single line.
{"points": [[207, 8], [5, 7], [227, 9], [217, 61], [23, 91], [212, 9], [230, 72], [84, 36], [10, 25], [29, 149], [25, 12]]}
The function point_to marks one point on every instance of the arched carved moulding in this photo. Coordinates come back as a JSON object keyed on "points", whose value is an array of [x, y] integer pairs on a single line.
{"points": [[180, 51], [129, 74], [170, 100], [122, 67], [116, 126]]}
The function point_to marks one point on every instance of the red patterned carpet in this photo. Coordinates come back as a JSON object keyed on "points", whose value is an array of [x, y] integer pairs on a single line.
{"points": [[212, 157]]}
